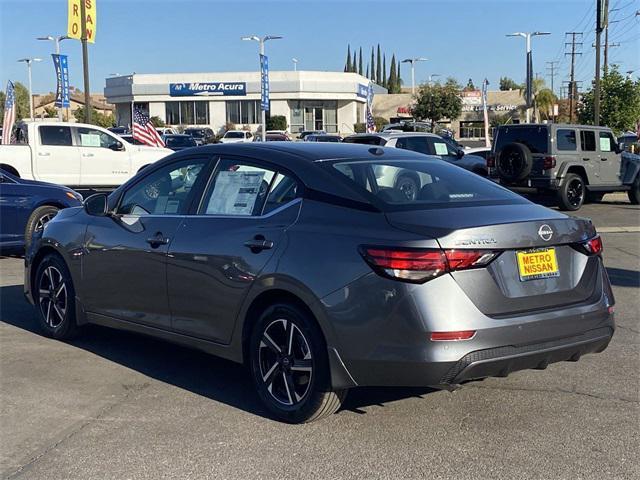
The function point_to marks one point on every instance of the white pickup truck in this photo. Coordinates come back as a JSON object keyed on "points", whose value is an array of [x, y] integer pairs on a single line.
{"points": [[77, 155]]}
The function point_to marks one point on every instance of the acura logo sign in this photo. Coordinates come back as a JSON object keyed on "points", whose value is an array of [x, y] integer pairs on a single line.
{"points": [[545, 232]]}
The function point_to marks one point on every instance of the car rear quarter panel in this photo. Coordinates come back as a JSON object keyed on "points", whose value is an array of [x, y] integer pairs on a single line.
{"points": [[19, 157]]}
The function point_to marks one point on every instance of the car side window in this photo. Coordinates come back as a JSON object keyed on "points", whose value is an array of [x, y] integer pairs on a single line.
{"points": [[607, 143], [566, 139], [587, 141], [55, 135], [283, 191], [90, 137], [164, 191], [415, 144]]}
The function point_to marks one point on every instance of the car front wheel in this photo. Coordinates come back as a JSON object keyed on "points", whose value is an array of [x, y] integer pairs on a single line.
{"points": [[36, 222], [289, 366]]}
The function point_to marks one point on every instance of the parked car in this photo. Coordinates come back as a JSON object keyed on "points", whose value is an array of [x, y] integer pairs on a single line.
{"points": [[75, 154], [303, 134], [323, 138], [236, 136], [407, 126], [630, 142], [202, 136], [427, 143], [166, 131], [297, 260], [272, 137], [483, 152], [179, 142], [133, 141], [26, 206], [572, 161], [119, 130]]}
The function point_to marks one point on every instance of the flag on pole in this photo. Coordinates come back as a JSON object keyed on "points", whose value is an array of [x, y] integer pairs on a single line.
{"points": [[144, 130], [9, 114], [485, 113], [371, 124]]}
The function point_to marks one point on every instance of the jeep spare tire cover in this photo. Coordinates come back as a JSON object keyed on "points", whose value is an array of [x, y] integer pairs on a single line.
{"points": [[514, 162]]}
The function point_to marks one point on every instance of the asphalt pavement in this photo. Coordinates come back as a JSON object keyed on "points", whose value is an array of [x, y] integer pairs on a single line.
{"points": [[115, 405]]}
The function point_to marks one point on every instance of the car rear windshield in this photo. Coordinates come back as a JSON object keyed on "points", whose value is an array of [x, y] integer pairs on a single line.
{"points": [[395, 185], [536, 138], [234, 135]]}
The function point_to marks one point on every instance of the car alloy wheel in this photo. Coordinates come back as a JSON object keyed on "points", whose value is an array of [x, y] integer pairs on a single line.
{"points": [[285, 362], [40, 223], [575, 192], [53, 297], [408, 187]]}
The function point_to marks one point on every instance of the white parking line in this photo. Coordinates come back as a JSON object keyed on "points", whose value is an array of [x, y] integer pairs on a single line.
{"points": [[629, 229]]}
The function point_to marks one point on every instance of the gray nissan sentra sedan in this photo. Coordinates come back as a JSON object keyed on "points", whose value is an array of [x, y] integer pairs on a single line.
{"points": [[308, 264]]}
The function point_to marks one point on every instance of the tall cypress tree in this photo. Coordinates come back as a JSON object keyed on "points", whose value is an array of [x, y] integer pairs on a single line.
{"points": [[384, 70], [354, 64], [379, 67], [392, 84], [347, 65], [399, 80], [367, 75], [360, 69], [373, 66]]}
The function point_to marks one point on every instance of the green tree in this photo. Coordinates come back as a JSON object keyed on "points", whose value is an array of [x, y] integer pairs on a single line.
{"points": [[367, 75], [360, 69], [277, 122], [347, 65], [379, 66], [507, 83], [470, 86], [354, 63], [50, 112], [619, 102], [97, 118], [437, 101], [392, 84], [384, 70], [157, 121], [399, 79], [22, 101]]}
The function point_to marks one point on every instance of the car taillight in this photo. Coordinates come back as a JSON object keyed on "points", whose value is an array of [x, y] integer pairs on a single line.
{"points": [[448, 336], [491, 161], [594, 245], [420, 265], [549, 163]]}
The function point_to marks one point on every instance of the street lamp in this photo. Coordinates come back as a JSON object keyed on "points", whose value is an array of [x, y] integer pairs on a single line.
{"points": [[261, 41], [527, 36], [432, 76], [413, 61], [56, 41], [295, 64], [29, 61]]}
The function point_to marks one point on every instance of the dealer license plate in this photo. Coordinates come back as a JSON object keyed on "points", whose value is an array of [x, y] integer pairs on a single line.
{"points": [[538, 263]]}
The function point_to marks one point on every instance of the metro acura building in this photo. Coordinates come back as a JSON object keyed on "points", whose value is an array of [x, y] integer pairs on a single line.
{"points": [[330, 101]]}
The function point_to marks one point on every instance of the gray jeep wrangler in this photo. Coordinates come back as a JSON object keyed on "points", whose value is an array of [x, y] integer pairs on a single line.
{"points": [[576, 162]]}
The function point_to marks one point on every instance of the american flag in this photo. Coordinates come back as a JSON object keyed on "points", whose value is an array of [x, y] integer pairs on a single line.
{"points": [[144, 130], [371, 124], [9, 114]]}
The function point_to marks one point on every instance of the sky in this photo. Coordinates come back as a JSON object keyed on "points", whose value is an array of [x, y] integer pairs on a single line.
{"points": [[461, 38]]}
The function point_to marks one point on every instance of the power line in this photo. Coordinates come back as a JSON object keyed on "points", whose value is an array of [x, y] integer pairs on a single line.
{"points": [[575, 45], [552, 70]]}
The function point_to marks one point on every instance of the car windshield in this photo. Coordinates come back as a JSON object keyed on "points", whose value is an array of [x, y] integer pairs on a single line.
{"points": [[395, 185], [179, 142], [536, 138], [234, 135], [195, 133]]}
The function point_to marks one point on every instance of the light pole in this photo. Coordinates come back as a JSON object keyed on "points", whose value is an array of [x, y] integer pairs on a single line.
{"points": [[29, 61], [413, 61], [295, 64], [432, 76], [261, 41], [529, 91], [56, 41]]}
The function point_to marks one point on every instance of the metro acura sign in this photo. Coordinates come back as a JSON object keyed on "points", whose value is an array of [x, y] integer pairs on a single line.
{"points": [[207, 89]]}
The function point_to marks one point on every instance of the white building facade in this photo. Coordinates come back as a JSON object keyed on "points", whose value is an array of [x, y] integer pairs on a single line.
{"points": [[330, 101]]}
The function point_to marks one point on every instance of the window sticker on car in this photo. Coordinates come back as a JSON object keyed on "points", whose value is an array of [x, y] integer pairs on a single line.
{"points": [[235, 193], [441, 148], [89, 140], [605, 144]]}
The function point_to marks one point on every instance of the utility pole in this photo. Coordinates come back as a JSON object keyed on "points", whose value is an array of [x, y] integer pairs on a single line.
{"points": [[606, 46], [413, 61], [552, 72], [602, 13], [56, 41], [573, 97], [85, 63]]}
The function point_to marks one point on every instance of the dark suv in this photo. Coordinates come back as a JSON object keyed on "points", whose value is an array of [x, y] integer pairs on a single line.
{"points": [[574, 161]]}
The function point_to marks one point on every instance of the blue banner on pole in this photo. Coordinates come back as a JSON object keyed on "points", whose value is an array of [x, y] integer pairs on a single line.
{"points": [[61, 65], [264, 83]]}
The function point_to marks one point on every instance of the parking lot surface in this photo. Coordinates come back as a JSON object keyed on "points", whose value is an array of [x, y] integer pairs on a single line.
{"points": [[117, 405]]}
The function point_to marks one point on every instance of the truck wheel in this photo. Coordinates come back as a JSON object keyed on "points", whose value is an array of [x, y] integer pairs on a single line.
{"points": [[10, 169], [39, 217], [634, 193], [572, 192]]}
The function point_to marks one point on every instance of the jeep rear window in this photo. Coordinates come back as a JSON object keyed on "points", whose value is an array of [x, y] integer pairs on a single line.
{"points": [[536, 138]]}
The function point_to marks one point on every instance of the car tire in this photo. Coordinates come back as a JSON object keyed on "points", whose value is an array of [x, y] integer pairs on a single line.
{"points": [[514, 162], [54, 297], [38, 218], [572, 193], [408, 186], [10, 169], [290, 367], [634, 193]]}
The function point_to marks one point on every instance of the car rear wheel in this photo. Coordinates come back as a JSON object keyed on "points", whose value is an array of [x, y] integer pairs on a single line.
{"points": [[289, 366], [572, 192], [634, 193], [54, 295], [37, 220]]}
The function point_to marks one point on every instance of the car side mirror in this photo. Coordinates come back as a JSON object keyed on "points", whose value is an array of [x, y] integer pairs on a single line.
{"points": [[460, 153], [620, 147], [97, 205], [117, 147]]}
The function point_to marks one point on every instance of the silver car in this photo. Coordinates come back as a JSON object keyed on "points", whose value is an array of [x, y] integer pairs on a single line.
{"points": [[302, 261]]}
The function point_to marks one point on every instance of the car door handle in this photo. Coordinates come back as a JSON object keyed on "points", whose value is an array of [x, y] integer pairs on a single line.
{"points": [[258, 243], [157, 240], [43, 154]]}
